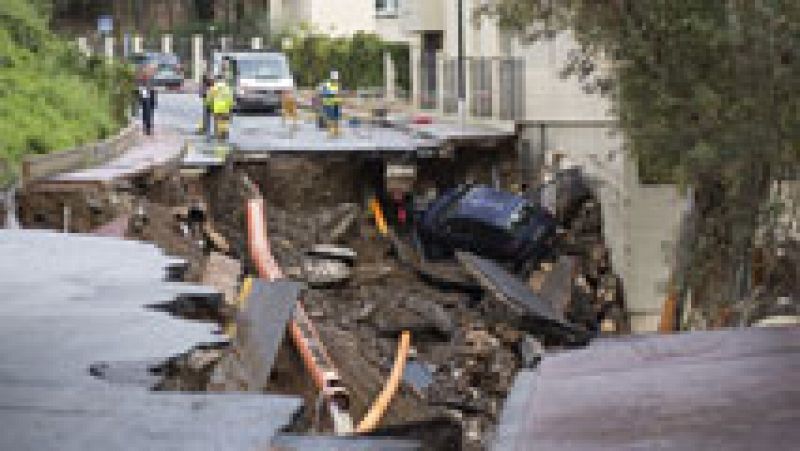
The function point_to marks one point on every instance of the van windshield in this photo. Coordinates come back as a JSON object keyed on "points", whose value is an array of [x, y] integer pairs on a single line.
{"points": [[261, 68]]}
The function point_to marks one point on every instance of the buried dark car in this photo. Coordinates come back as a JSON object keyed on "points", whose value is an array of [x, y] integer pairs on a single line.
{"points": [[488, 222]]}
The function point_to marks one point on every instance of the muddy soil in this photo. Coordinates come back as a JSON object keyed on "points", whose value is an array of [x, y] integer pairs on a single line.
{"points": [[85, 211], [462, 364]]}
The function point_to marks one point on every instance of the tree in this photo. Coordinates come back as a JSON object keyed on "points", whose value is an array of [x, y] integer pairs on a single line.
{"points": [[706, 93]]}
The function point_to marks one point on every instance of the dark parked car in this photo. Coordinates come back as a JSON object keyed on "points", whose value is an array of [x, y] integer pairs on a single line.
{"points": [[487, 222], [158, 69]]}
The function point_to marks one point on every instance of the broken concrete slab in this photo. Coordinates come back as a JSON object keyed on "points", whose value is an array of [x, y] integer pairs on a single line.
{"points": [[287, 442], [73, 419], [728, 389], [333, 252], [261, 326], [516, 299], [74, 307], [556, 285], [223, 273], [323, 272]]}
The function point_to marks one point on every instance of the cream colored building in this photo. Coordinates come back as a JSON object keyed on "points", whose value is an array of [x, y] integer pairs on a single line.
{"points": [[554, 116], [333, 17], [514, 84]]}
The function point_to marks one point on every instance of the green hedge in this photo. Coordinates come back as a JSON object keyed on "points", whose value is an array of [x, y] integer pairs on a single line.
{"points": [[51, 97], [359, 59]]}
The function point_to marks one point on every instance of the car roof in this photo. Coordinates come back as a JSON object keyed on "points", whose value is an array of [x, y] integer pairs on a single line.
{"points": [[488, 205], [156, 55], [250, 55]]}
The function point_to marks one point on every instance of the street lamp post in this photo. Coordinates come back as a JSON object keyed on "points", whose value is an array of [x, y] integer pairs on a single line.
{"points": [[211, 39], [462, 85]]}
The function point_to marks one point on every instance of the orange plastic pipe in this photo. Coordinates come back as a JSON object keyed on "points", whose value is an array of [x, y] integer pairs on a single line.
{"points": [[380, 219], [378, 408], [304, 335], [381, 403]]}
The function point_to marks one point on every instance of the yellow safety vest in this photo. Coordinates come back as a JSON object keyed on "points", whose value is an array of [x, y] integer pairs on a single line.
{"points": [[330, 94], [221, 98]]}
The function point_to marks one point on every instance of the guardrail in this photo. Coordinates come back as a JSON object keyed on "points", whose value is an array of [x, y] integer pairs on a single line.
{"points": [[38, 167]]}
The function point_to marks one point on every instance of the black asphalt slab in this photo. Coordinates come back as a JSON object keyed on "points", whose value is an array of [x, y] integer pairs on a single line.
{"points": [[531, 311], [261, 326], [735, 389], [74, 307]]}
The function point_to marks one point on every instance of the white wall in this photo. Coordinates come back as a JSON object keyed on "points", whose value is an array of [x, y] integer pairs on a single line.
{"points": [[640, 222], [343, 17], [549, 97]]}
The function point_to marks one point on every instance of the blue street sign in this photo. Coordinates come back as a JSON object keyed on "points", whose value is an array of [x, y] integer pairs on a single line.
{"points": [[105, 24]]}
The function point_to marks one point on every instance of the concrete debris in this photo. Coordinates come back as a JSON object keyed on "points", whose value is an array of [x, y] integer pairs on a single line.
{"points": [[223, 273], [531, 351], [333, 252], [324, 272]]}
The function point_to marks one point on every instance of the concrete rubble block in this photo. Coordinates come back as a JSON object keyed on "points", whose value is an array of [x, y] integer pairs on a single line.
{"points": [[223, 273], [511, 300], [321, 272], [556, 286], [372, 273], [330, 251], [262, 326]]}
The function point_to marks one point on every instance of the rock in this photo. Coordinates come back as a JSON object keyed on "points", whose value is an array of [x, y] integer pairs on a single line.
{"points": [[329, 251], [530, 352], [201, 358], [366, 312], [319, 272], [370, 273], [223, 273]]}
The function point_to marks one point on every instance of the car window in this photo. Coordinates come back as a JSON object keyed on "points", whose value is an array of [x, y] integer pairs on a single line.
{"points": [[168, 59], [267, 69]]}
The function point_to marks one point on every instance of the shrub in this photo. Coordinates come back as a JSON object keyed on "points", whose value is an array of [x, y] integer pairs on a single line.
{"points": [[51, 97]]}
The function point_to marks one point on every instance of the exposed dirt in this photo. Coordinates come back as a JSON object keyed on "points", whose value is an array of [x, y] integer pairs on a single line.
{"points": [[83, 211], [464, 364], [463, 359]]}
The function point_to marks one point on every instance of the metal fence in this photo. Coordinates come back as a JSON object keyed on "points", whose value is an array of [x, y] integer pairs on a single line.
{"points": [[512, 95], [496, 86], [480, 85], [450, 86]]}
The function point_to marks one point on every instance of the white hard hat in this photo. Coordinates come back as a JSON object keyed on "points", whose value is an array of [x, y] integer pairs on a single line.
{"points": [[334, 75]]}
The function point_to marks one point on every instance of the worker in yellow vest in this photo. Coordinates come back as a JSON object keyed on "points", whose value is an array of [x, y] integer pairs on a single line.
{"points": [[220, 101], [332, 103]]}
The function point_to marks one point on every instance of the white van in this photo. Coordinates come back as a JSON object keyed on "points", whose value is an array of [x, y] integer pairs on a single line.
{"points": [[259, 78]]}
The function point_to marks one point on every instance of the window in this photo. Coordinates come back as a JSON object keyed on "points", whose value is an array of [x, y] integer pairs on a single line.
{"points": [[386, 7]]}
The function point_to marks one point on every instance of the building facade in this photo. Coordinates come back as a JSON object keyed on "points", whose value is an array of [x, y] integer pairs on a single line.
{"points": [[514, 83]]}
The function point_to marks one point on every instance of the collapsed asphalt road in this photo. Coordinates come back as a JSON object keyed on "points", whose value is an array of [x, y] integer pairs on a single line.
{"points": [[466, 349], [83, 344]]}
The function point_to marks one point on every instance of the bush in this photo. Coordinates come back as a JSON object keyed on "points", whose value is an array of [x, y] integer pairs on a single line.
{"points": [[51, 97], [359, 59]]}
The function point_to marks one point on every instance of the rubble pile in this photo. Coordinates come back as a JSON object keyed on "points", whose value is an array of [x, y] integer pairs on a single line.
{"points": [[365, 289], [462, 364]]}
